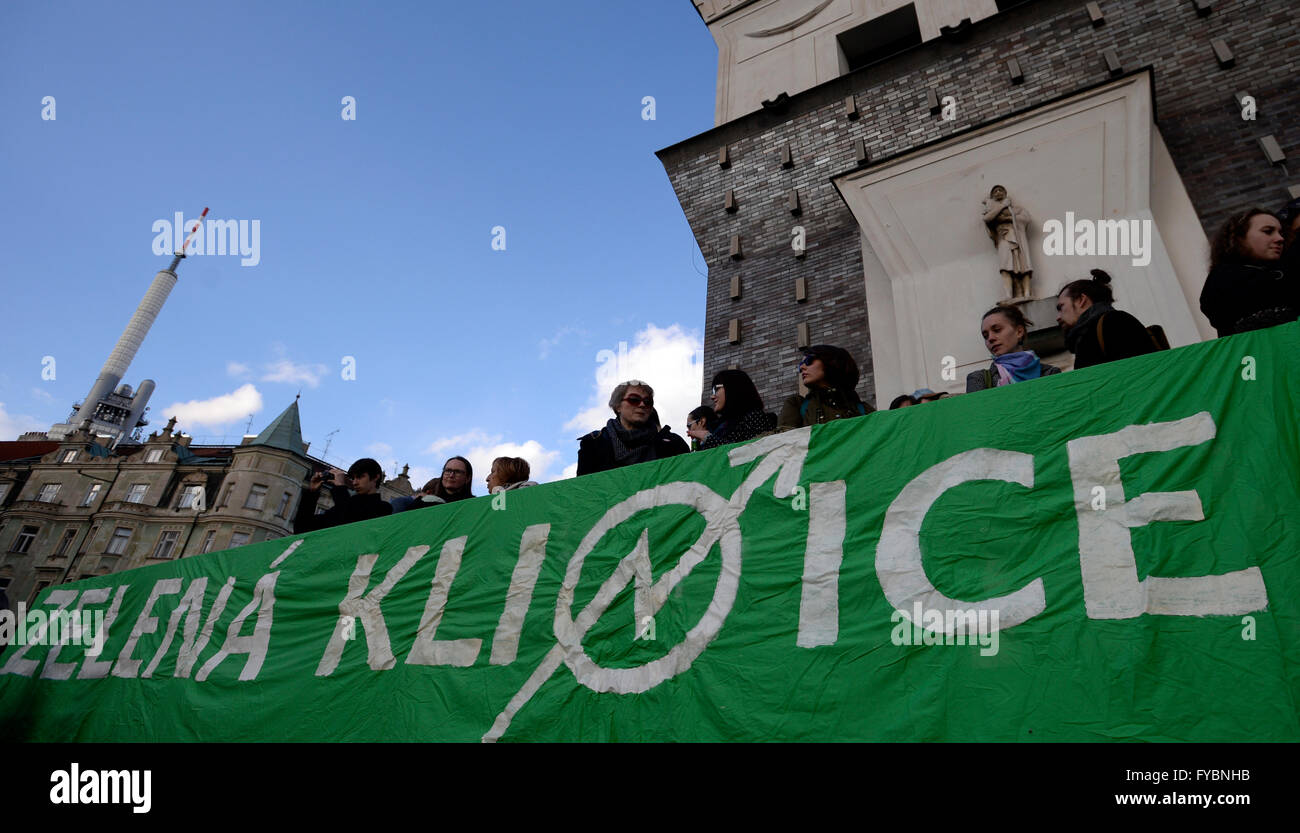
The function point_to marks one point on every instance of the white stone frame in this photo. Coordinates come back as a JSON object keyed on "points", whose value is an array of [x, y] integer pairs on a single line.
{"points": [[930, 267]]}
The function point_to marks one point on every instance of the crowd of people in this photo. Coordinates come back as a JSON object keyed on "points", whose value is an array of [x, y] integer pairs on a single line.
{"points": [[1254, 282]]}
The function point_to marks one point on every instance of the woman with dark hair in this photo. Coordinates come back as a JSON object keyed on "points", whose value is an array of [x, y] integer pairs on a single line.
{"points": [[830, 374], [738, 405], [1004, 329], [1247, 288], [1096, 332], [700, 423], [903, 401], [456, 483]]}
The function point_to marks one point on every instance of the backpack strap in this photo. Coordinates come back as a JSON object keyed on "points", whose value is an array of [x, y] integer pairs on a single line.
{"points": [[988, 379], [1101, 337]]}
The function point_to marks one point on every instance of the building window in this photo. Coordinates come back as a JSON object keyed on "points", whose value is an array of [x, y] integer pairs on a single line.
{"points": [[208, 540], [117, 544], [136, 493], [40, 585], [283, 509], [92, 493], [4, 491], [69, 456], [225, 497], [880, 38], [5, 582], [49, 492], [153, 456], [65, 542], [256, 498], [166, 543], [23, 542], [239, 539], [191, 498]]}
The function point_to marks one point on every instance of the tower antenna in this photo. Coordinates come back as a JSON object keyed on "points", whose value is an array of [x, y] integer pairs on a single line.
{"points": [[329, 438], [197, 223]]}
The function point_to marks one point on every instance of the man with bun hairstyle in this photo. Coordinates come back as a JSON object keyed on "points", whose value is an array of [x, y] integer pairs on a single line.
{"points": [[1096, 332]]}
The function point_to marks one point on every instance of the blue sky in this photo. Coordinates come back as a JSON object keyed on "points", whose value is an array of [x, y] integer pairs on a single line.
{"points": [[375, 233]]}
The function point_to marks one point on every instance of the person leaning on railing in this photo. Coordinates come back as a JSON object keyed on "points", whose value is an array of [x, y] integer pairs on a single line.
{"points": [[1248, 288], [362, 504], [1003, 329], [632, 436], [736, 401], [831, 376]]}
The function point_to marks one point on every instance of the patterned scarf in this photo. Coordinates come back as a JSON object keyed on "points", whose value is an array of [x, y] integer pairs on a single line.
{"points": [[635, 446], [1017, 367]]}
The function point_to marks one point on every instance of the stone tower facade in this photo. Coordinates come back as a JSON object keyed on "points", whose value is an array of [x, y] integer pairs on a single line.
{"points": [[837, 198]]}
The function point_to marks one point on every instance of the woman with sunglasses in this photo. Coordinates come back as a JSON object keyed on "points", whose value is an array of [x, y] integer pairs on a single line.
{"points": [[737, 403], [632, 436], [830, 374]]}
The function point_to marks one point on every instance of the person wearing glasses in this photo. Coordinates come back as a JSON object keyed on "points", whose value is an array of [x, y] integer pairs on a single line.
{"points": [[632, 436], [831, 376], [738, 405], [360, 504], [700, 424]]}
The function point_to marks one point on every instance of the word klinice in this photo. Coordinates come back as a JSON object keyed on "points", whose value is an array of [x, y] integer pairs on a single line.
{"points": [[110, 786], [1131, 238]]}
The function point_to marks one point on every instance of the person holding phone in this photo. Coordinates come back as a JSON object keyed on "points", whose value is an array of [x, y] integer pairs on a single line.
{"points": [[361, 503]]}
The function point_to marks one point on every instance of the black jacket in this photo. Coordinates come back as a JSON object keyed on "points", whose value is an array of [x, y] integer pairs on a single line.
{"points": [[596, 450], [348, 508], [753, 424], [1238, 297], [1122, 334]]}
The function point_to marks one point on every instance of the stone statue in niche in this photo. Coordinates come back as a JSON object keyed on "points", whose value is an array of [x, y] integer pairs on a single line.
{"points": [[1008, 226]]}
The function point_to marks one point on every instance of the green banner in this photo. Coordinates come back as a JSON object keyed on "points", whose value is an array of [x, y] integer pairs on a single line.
{"points": [[1108, 554]]}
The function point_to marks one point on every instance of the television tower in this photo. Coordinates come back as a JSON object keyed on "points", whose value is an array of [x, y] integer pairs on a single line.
{"points": [[110, 409]]}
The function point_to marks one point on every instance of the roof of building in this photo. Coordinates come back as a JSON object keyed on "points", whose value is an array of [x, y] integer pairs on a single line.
{"points": [[23, 449], [284, 432]]}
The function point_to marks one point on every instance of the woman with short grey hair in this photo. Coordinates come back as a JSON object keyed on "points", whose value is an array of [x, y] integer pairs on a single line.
{"points": [[632, 436]]}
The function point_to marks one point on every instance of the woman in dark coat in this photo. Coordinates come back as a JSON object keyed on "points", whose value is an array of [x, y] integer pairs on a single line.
{"points": [[737, 403], [1247, 288], [1096, 332], [1004, 330], [831, 376]]}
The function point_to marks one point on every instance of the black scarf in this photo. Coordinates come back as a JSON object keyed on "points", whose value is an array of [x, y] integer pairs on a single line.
{"points": [[635, 446], [1083, 325]]}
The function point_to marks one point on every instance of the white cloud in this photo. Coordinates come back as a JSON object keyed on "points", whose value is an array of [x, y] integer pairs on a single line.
{"points": [[669, 359], [284, 370], [379, 451], [218, 411], [460, 441], [11, 425], [237, 369], [570, 471], [481, 448], [547, 344], [42, 395]]}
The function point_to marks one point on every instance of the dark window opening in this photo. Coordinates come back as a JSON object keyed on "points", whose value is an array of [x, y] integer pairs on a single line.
{"points": [[1003, 5], [878, 39]]}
